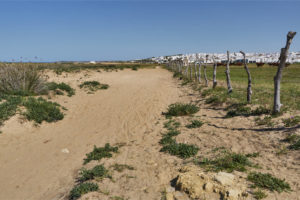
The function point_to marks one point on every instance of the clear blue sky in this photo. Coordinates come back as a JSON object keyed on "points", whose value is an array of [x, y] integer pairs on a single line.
{"points": [[121, 30]]}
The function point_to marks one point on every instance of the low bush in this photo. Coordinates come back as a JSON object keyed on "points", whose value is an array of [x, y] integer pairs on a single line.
{"points": [[172, 147], [134, 68], [61, 86], [259, 194], [99, 171], [40, 110], [100, 152], [226, 161], [195, 124], [93, 86], [267, 181], [181, 109], [171, 125], [81, 189], [180, 149], [9, 107]]}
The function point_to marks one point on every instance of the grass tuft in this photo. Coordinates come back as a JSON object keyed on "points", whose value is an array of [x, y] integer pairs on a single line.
{"points": [[100, 152], [93, 86], [21, 80], [267, 181]]}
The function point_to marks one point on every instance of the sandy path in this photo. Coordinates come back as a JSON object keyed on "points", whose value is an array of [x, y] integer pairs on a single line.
{"points": [[32, 164]]}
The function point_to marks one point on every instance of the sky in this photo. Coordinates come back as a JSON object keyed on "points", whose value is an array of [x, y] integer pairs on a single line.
{"points": [[80, 30]]}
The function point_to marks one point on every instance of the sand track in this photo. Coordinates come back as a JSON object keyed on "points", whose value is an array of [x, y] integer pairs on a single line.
{"points": [[32, 164]]}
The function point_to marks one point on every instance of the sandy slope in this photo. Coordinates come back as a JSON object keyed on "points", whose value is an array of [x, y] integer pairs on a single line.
{"points": [[32, 164]]}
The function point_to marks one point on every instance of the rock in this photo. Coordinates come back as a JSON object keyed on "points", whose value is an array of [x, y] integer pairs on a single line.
{"points": [[169, 196], [224, 178], [180, 196], [170, 189], [208, 185], [65, 150]]}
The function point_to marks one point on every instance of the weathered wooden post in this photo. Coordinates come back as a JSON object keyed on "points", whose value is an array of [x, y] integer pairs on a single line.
{"points": [[215, 73], [227, 72], [249, 89], [186, 67], [195, 70], [205, 76], [199, 71], [282, 62]]}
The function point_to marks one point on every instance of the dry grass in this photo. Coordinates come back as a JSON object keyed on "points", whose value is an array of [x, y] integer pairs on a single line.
{"points": [[21, 80]]}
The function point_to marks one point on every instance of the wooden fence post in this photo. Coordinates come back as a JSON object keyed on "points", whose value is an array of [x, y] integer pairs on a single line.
{"points": [[249, 89], [283, 56]]}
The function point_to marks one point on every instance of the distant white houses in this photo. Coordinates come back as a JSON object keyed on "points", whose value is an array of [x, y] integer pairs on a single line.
{"points": [[92, 62], [221, 57]]}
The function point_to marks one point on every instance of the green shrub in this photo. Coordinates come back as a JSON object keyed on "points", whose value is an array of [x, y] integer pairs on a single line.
{"points": [[100, 152], [93, 86], [167, 138], [134, 68], [40, 110], [81, 189], [23, 79], [171, 125], [292, 121], [181, 150], [180, 109], [195, 124], [9, 107], [267, 181], [226, 161], [259, 194], [99, 171], [61, 86]]}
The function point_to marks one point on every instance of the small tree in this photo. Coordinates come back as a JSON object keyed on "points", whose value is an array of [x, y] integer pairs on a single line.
{"points": [[227, 72], [249, 89], [282, 62]]}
